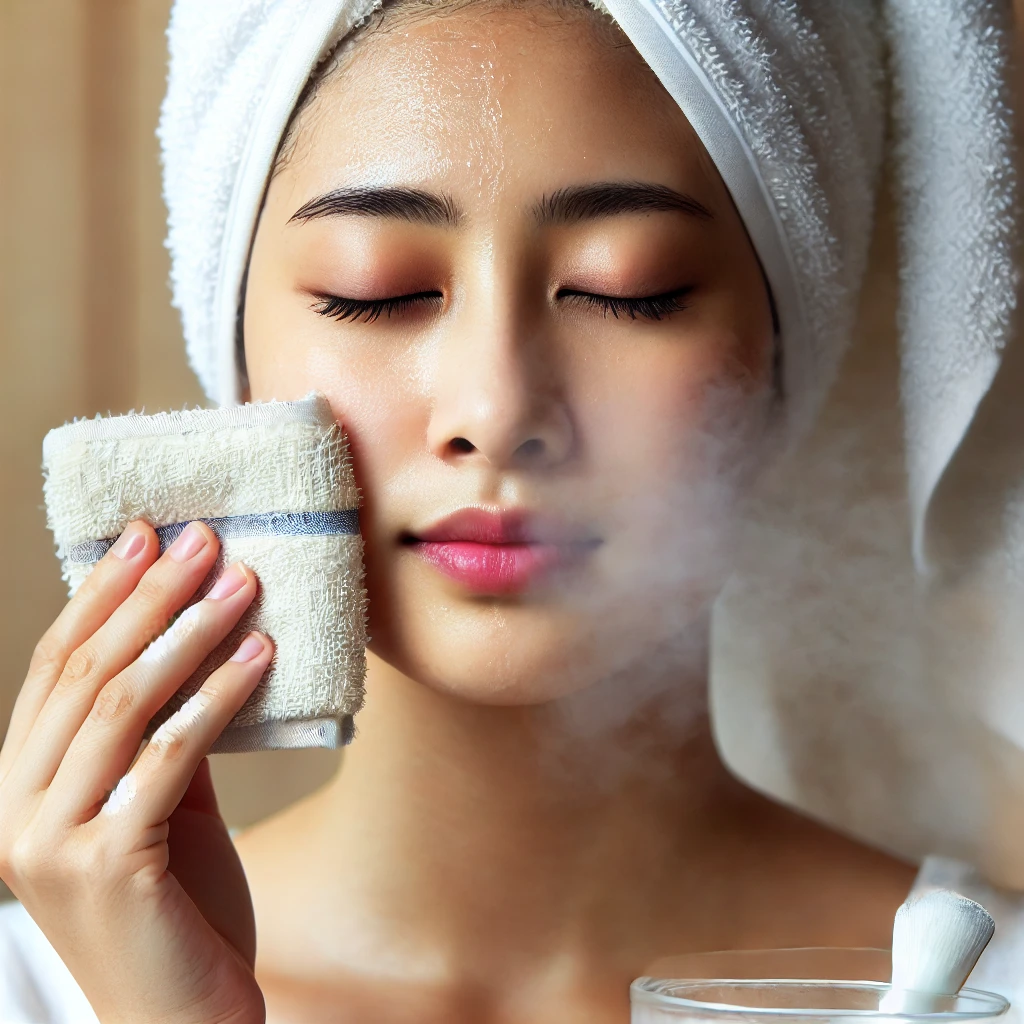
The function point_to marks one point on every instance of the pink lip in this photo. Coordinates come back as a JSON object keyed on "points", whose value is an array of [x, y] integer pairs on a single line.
{"points": [[498, 552]]}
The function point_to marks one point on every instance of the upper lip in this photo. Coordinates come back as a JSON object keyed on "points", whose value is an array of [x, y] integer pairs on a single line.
{"points": [[508, 526]]}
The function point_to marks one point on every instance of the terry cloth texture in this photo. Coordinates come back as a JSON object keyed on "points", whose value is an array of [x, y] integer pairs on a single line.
{"points": [[274, 481], [790, 99]]}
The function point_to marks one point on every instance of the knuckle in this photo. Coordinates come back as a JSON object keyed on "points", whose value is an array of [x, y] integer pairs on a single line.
{"points": [[191, 625], [48, 656], [29, 858], [114, 701], [151, 591], [46, 860], [170, 745], [17, 858], [80, 666]]}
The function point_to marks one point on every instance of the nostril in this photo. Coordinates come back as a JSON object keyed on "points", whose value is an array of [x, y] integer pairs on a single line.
{"points": [[460, 444], [531, 448]]}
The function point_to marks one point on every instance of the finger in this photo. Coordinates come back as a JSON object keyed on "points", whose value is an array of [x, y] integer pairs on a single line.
{"points": [[112, 579], [163, 589], [148, 794], [104, 746], [200, 795]]}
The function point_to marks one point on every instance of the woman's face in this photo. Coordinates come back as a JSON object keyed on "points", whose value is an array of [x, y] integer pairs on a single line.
{"points": [[549, 467]]}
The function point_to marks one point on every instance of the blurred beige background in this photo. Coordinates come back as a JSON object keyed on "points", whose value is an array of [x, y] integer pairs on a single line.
{"points": [[86, 326], [85, 316]]}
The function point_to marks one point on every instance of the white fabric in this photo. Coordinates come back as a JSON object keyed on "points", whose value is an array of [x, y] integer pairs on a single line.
{"points": [[236, 69], [787, 99], [271, 457], [36, 987], [959, 196]]}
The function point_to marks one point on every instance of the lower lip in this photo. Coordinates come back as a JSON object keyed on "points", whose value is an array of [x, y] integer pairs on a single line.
{"points": [[494, 568]]}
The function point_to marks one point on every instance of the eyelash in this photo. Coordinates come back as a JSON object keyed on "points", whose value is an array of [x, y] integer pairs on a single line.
{"points": [[367, 310], [650, 307]]}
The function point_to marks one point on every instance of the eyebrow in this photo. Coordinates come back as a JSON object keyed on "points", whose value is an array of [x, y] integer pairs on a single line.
{"points": [[606, 199], [399, 202], [567, 205]]}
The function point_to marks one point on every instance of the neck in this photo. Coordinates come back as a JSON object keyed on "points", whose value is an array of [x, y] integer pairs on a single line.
{"points": [[571, 823], [545, 856]]}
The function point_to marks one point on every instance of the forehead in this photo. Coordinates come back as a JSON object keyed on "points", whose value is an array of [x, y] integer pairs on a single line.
{"points": [[494, 102]]}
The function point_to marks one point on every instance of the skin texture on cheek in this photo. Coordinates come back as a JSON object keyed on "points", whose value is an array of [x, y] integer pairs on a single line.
{"points": [[507, 393]]}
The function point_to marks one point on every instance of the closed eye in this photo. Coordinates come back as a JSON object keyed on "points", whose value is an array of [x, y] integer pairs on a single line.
{"points": [[368, 310], [649, 307]]}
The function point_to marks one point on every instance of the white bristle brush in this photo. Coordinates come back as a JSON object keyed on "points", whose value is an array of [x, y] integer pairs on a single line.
{"points": [[936, 941]]}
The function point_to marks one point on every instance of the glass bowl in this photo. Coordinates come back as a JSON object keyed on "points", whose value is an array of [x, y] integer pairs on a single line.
{"points": [[778, 986]]}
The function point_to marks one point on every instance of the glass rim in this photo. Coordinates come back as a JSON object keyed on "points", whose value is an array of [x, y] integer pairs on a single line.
{"points": [[981, 1004]]}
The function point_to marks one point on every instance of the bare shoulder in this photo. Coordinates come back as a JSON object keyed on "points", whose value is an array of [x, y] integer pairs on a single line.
{"points": [[790, 880], [310, 936], [849, 889]]}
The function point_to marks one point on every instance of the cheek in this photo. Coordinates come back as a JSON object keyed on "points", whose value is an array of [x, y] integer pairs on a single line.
{"points": [[671, 442], [375, 386], [376, 392], [660, 408]]}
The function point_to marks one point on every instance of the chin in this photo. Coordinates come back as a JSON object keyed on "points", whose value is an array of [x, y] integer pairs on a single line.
{"points": [[514, 654], [494, 655]]}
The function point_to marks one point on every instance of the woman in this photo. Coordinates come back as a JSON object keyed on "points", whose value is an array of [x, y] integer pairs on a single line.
{"points": [[493, 239]]}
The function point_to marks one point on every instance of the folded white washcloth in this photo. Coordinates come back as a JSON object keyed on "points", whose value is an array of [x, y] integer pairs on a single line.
{"points": [[788, 97], [274, 481]]}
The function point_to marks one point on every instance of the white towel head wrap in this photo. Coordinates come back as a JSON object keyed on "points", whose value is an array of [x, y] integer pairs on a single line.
{"points": [[786, 95]]}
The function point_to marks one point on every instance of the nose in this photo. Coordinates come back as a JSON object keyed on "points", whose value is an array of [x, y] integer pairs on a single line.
{"points": [[499, 397]]}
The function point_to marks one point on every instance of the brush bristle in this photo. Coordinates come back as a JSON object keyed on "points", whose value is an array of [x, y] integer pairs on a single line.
{"points": [[937, 939]]}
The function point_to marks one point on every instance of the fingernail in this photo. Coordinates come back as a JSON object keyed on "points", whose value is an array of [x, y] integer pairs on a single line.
{"points": [[129, 544], [191, 541], [231, 582], [249, 648]]}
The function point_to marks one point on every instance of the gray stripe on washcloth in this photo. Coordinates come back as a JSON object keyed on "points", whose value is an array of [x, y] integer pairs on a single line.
{"points": [[263, 524]]}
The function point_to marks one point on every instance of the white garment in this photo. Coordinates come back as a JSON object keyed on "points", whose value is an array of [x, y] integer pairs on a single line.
{"points": [[36, 987]]}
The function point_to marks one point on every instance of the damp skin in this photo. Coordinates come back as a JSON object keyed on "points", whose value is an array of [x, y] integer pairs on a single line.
{"points": [[182, 720], [176, 727], [541, 759], [121, 795], [173, 638], [637, 451]]}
